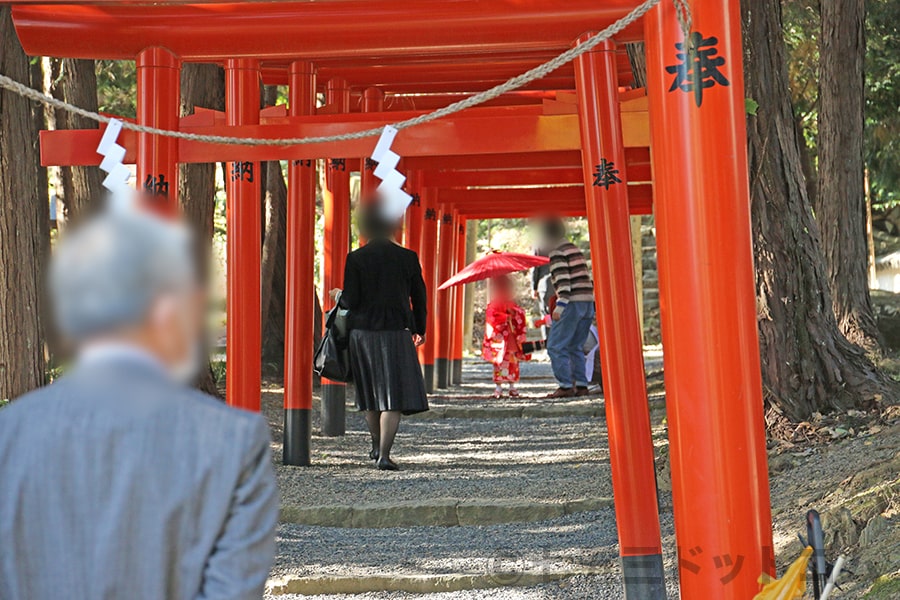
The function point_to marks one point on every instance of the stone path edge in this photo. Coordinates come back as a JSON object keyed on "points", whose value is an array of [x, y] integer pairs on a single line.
{"points": [[533, 412], [416, 584], [441, 512]]}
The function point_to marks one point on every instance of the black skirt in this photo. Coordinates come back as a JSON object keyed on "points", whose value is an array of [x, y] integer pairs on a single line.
{"points": [[386, 372]]}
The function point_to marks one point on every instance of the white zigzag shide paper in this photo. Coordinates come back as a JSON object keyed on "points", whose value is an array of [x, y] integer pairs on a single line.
{"points": [[121, 196], [395, 200]]}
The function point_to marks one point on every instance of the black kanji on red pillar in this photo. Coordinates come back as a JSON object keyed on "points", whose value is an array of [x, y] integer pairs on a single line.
{"points": [[242, 171], [448, 218], [338, 164], [606, 174], [370, 164], [430, 214], [698, 66], [306, 162], [157, 186], [416, 200]]}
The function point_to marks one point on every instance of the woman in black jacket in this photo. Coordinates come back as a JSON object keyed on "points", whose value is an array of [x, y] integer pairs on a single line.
{"points": [[385, 294]]}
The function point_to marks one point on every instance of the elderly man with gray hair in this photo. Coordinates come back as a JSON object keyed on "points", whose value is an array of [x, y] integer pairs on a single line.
{"points": [[119, 480]]}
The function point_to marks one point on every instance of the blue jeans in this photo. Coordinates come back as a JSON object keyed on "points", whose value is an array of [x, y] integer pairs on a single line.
{"points": [[566, 342]]}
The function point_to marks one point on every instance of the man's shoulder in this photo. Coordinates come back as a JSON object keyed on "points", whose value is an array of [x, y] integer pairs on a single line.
{"points": [[562, 249], [566, 250], [208, 413], [149, 398], [205, 404], [37, 400]]}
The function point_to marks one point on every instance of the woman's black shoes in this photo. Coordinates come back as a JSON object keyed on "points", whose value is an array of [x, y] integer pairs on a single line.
{"points": [[374, 454], [386, 464]]}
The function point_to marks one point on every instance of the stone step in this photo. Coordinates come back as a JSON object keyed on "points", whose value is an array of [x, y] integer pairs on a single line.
{"points": [[513, 412], [420, 584], [441, 512]]}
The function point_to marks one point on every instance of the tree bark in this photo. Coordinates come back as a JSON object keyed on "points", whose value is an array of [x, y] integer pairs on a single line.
{"points": [[638, 60], [840, 197], [24, 220], [202, 85], [808, 365], [274, 256], [274, 267], [76, 83]]}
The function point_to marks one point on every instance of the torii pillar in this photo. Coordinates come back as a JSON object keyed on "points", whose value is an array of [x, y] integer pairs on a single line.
{"points": [[244, 244], [299, 285], [428, 245], [336, 198], [443, 332], [714, 403], [459, 306], [412, 223], [372, 102], [621, 349], [158, 105]]}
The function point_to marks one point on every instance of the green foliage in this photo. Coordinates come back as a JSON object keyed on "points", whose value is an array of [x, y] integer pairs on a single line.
{"points": [[218, 371], [117, 87], [56, 371], [801, 36], [885, 587], [751, 106], [883, 101], [519, 235], [882, 70]]}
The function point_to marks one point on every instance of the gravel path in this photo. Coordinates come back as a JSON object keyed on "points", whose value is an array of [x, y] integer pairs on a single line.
{"points": [[538, 459], [542, 459], [554, 459], [585, 540], [594, 587]]}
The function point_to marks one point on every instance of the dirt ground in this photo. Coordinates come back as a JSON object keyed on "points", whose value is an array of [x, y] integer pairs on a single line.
{"points": [[853, 481]]}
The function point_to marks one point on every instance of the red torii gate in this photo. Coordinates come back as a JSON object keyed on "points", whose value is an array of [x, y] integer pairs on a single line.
{"points": [[699, 195]]}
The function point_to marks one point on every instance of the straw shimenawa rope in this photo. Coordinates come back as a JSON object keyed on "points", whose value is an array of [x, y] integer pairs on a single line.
{"points": [[508, 86]]}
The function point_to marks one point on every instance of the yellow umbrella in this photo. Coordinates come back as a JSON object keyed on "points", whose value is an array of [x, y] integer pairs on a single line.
{"points": [[792, 585]]}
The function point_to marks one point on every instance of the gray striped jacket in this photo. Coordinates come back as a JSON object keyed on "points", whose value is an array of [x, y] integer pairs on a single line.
{"points": [[117, 483]]}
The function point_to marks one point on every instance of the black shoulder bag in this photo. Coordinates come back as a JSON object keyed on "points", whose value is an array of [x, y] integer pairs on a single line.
{"points": [[332, 359]]}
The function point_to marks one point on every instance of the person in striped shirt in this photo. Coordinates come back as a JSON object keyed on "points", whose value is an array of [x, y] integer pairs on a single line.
{"points": [[574, 312]]}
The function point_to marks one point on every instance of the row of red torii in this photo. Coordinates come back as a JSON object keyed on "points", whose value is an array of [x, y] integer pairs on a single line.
{"points": [[549, 147]]}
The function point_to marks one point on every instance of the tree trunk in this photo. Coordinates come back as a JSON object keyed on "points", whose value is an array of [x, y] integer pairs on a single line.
{"points": [[76, 83], [40, 122], [840, 197], [24, 219], [202, 85], [274, 257], [274, 267], [807, 161], [638, 60], [808, 365]]}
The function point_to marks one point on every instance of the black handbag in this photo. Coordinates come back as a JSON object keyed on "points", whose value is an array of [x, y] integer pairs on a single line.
{"points": [[332, 358]]}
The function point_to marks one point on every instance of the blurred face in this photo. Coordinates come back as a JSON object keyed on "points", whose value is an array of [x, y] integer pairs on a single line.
{"points": [[501, 289], [175, 332]]}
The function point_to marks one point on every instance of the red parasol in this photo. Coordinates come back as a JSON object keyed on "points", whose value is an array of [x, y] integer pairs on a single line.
{"points": [[494, 264]]}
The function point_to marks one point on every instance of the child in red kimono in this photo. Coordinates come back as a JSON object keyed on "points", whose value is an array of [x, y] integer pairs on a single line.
{"points": [[504, 334]]}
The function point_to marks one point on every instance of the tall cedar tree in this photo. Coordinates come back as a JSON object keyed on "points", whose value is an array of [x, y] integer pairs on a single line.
{"points": [[24, 221], [75, 81], [840, 201], [808, 364], [202, 85], [273, 256]]}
